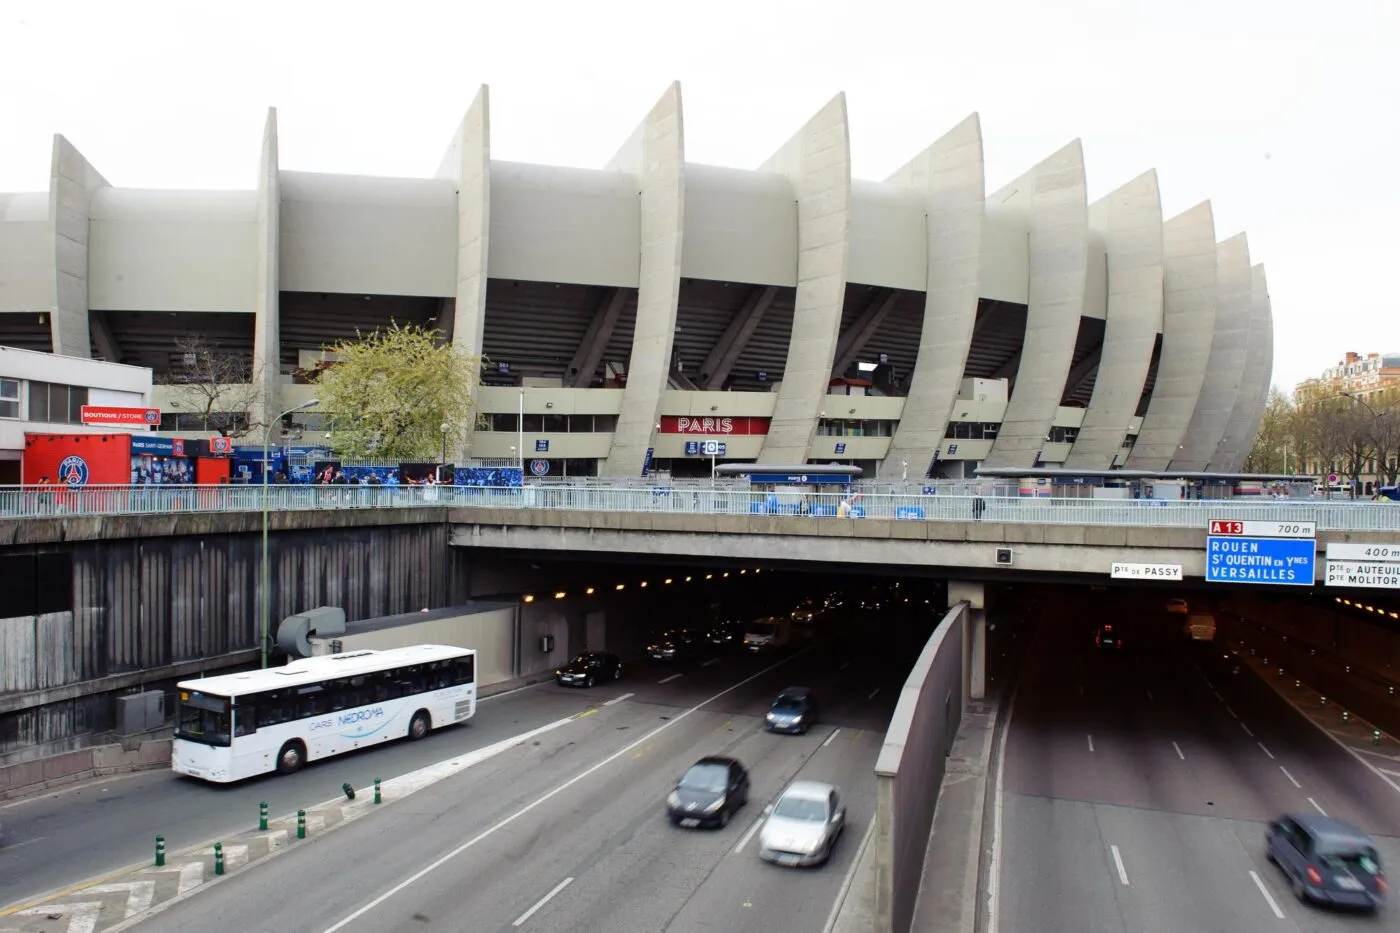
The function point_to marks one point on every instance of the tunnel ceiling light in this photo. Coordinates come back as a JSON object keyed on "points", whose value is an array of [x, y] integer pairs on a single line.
{"points": [[758, 570], [644, 583], [621, 586], [743, 571], [687, 579], [709, 576], [528, 598], [668, 581], [726, 573], [560, 595], [589, 591]]}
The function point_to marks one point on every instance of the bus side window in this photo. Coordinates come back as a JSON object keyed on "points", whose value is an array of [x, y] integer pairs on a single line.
{"points": [[415, 680], [442, 675], [311, 701], [464, 671], [387, 687], [245, 720], [273, 707]]}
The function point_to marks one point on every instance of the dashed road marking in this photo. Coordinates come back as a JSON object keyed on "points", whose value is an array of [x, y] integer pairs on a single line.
{"points": [[1317, 806], [1118, 864], [1290, 777], [834, 734], [542, 901], [1266, 751], [744, 840], [667, 680], [1179, 753], [618, 699], [1273, 904], [1091, 743]]}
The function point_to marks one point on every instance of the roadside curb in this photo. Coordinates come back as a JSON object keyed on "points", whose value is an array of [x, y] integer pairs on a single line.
{"points": [[124, 897]]}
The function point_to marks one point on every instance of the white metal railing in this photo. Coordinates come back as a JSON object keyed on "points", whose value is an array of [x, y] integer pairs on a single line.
{"points": [[48, 502]]}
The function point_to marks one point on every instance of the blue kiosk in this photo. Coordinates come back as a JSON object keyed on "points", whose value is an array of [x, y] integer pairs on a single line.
{"points": [[804, 489]]}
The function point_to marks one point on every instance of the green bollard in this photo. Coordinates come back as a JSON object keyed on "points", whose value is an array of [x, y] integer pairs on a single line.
{"points": [[1345, 716], [1375, 736], [1322, 700], [377, 797], [301, 824], [262, 817], [160, 851], [218, 858]]}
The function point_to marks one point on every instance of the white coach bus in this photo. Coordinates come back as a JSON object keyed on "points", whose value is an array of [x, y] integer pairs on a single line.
{"points": [[235, 726]]}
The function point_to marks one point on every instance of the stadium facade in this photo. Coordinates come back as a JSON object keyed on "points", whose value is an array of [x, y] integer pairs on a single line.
{"points": [[634, 313]]}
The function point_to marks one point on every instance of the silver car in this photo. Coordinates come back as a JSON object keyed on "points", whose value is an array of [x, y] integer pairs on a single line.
{"points": [[803, 826]]}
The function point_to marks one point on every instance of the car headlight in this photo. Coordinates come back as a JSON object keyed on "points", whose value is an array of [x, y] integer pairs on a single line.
{"points": [[673, 799], [796, 720], [715, 806], [772, 717]]}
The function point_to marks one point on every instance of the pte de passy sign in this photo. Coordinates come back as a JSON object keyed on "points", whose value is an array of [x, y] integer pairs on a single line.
{"points": [[1253, 551]]}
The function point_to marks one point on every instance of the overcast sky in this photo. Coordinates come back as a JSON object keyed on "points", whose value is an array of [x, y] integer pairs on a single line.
{"points": [[1284, 113]]}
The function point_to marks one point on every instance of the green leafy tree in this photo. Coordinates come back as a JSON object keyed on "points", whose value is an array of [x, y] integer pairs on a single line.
{"points": [[1275, 448], [388, 393]]}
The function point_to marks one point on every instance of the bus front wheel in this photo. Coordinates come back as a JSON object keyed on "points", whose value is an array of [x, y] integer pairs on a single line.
{"points": [[419, 725], [291, 758]]}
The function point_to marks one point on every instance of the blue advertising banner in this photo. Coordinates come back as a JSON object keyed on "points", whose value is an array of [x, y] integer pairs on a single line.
{"points": [[1287, 561]]}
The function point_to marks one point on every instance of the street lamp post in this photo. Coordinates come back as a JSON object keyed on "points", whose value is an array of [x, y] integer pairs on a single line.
{"points": [[520, 431], [442, 464], [266, 569]]}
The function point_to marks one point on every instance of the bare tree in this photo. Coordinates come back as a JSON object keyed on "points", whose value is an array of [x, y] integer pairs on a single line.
{"points": [[221, 388]]}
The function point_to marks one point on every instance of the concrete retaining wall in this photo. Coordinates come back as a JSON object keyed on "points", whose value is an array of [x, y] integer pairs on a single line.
{"points": [[911, 765]]}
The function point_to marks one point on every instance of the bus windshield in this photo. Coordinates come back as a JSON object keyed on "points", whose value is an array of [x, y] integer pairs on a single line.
{"points": [[203, 718]]}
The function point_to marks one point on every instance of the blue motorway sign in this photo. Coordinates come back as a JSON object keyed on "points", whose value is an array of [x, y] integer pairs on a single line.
{"points": [[713, 448], [1287, 561], [692, 448]]}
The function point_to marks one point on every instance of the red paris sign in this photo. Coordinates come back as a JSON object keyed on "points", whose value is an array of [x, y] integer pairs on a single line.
{"points": [[725, 426]]}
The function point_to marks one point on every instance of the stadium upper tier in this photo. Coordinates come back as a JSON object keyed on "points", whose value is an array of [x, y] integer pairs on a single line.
{"points": [[915, 325]]}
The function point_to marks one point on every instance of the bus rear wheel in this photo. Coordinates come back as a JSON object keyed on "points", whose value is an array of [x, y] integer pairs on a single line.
{"points": [[291, 757], [419, 725]]}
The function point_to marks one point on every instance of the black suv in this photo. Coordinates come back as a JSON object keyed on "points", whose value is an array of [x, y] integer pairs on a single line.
{"points": [[1327, 860], [588, 669], [674, 645]]}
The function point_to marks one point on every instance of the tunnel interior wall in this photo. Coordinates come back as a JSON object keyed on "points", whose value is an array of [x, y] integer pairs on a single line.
{"points": [[910, 769], [140, 613], [1371, 646]]}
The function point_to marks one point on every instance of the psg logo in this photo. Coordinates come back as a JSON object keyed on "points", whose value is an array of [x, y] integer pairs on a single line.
{"points": [[151, 416], [73, 470]]}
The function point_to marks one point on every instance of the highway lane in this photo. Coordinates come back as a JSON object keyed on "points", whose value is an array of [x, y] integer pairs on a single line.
{"points": [[584, 804], [81, 831], [1136, 789]]}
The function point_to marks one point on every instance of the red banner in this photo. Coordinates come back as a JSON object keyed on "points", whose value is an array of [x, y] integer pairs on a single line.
{"points": [[116, 415], [719, 426]]}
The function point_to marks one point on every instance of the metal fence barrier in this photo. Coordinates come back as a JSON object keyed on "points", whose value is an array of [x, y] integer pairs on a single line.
{"points": [[49, 502]]}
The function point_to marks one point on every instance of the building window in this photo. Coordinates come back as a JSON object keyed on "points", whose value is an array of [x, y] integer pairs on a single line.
{"points": [[1059, 435], [57, 404], [9, 398], [971, 431], [223, 422], [549, 424]]}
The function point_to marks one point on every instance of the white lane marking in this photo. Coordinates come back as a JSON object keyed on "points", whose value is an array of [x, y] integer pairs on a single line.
{"points": [[748, 834], [872, 693], [542, 901], [496, 827], [1091, 743], [1118, 864], [1246, 730], [1231, 712], [1290, 777], [82, 918], [1179, 753], [994, 863], [191, 876], [1217, 695], [709, 662], [1081, 689], [851, 877], [844, 666], [834, 734], [1317, 806], [667, 680], [1266, 751], [139, 894], [1344, 746], [1149, 694], [1273, 904], [625, 696]]}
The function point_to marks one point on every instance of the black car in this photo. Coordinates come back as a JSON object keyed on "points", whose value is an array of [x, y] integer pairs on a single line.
{"points": [[1107, 637], [674, 645], [793, 712], [1327, 860], [724, 634], [588, 669], [709, 793]]}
